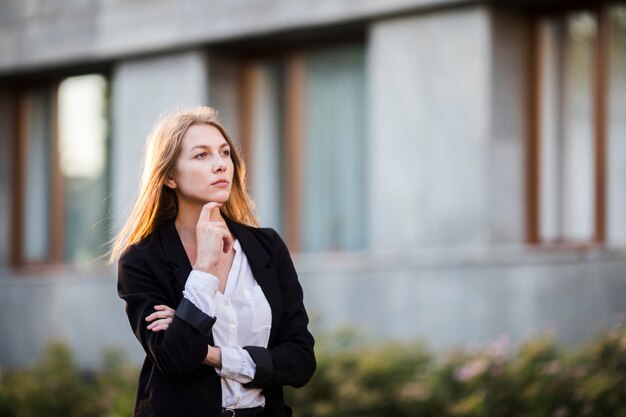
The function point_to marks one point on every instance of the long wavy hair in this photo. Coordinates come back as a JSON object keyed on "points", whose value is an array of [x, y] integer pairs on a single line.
{"points": [[157, 203]]}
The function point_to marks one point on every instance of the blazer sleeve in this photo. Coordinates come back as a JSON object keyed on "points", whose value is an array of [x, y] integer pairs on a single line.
{"points": [[291, 359], [180, 350]]}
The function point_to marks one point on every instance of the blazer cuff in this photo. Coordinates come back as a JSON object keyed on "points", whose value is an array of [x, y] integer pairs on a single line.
{"points": [[264, 366], [189, 313]]}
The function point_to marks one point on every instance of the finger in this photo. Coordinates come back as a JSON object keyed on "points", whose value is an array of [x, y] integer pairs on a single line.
{"points": [[162, 312], [228, 242], [205, 213], [168, 310], [160, 315], [208, 211], [215, 212], [159, 328], [227, 237], [160, 323], [156, 315]]}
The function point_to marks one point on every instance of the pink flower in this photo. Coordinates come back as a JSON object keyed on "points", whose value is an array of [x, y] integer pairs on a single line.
{"points": [[552, 368], [499, 348], [471, 369]]}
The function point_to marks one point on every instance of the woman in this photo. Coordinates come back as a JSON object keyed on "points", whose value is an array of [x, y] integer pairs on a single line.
{"points": [[214, 301]]}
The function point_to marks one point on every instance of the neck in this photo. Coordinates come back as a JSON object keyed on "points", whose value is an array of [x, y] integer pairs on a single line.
{"points": [[187, 219]]}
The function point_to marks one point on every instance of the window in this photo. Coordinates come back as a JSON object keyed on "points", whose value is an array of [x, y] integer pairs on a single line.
{"points": [[60, 210], [616, 129], [304, 134], [577, 127]]}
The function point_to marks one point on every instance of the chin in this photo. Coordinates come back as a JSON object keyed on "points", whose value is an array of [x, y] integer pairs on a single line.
{"points": [[219, 197]]}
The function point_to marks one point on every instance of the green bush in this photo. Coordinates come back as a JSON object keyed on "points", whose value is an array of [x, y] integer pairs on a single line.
{"points": [[538, 379], [355, 378], [55, 387]]}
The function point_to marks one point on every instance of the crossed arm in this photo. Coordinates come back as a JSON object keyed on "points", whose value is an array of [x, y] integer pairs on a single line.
{"points": [[160, 321]]}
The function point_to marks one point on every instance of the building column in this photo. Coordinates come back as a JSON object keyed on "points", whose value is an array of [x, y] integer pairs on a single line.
{"points": [[429, 130]]}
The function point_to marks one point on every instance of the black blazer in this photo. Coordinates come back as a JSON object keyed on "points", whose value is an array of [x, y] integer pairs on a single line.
{"points": [[173, 380]]}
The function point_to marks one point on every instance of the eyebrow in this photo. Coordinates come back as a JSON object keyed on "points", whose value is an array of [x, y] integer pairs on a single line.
{"points": [[223, 145]]}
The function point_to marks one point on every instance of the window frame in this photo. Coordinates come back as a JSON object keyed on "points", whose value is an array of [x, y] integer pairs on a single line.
{"points": [[599, 97], [56, 183], [293, 59]]}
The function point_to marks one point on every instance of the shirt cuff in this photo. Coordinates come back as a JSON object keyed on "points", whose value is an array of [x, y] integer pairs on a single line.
{"points": [[236, 365], [200, 289]]}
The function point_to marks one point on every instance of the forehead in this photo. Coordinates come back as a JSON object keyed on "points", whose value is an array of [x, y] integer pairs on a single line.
{"points": [[203, 135]]}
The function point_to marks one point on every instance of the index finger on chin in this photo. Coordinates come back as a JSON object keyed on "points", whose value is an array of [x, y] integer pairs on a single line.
{"points": [[208, 211]]}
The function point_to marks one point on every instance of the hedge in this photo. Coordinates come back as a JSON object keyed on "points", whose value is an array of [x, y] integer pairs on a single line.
{"points": [[537, 379]]}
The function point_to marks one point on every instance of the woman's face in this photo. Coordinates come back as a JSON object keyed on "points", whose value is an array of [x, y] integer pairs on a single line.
{"points": [[204, 168]]}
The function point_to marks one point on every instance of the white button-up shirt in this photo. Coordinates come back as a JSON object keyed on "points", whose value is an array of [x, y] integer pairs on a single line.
{"points": [[244, 318]]}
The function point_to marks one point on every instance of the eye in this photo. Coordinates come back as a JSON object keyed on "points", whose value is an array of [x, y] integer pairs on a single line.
{"points": [[225, 152], [201, 155]]}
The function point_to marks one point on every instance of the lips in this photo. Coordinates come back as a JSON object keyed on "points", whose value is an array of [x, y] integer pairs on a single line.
{"points": [[220, 183]]}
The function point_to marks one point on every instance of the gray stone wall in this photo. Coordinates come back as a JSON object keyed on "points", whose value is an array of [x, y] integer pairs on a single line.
{"points": [[450, 299], [504, 172], [70, 306], [446, 299], [35, 35], [428, 130]]}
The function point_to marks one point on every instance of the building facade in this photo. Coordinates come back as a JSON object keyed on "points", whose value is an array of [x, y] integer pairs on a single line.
{"points": [[446, 170]]}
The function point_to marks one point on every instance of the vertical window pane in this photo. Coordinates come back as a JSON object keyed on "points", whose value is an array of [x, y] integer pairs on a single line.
{"points": [[83, 157], [333, 208], [551, 129], [36, 223], [578, 146], [267, 143], [617, 127], [567, 149]]}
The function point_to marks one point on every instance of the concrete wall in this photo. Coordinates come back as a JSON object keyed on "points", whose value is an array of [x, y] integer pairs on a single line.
{"points": [[224, 91], [142, 90], [504, 172], [37, 34], [429, 129], [447, 170], [72, 306], [467, 298], [446, 299]]}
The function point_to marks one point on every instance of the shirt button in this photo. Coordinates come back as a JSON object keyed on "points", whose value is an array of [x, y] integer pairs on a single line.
{"points": [[225, 302], [233, 325], [238, 399]]}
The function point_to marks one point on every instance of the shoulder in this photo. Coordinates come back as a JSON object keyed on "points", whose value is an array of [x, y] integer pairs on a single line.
{"points": [[138, 252], [255, 238], [243, 231], [263, 233]]}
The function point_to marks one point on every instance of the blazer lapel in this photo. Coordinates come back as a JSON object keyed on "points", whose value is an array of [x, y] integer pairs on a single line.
{"points": [[175, 253]]}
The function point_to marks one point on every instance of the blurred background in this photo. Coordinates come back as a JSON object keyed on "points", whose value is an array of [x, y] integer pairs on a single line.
{"points": [[442, 170]]}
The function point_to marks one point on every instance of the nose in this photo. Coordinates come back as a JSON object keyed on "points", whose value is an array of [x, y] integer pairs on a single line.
{"points": [[219, 165]]}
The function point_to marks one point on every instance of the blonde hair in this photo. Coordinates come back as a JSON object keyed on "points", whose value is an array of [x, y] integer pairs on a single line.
{"points": [[155, 202]]}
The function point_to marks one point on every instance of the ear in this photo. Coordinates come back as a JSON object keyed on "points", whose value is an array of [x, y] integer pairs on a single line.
{"points": [[169, 182]]}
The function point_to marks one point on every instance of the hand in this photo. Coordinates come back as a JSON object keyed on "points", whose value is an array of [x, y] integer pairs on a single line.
{"points": [[161, 318], [212, 237]]}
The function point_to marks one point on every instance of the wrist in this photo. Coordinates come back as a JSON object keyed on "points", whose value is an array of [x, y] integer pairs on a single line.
{"points": [[203, 266], [214, 356]]}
